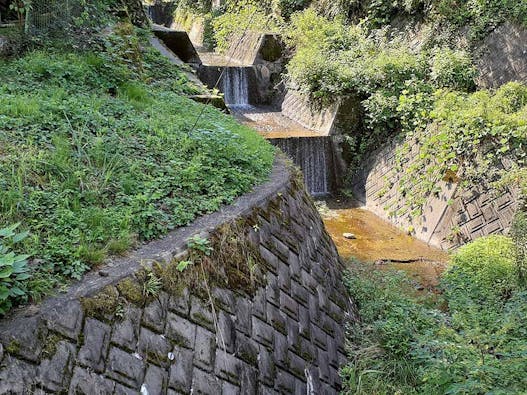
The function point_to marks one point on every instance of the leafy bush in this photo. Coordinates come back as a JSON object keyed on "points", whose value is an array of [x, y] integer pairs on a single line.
{"points": [[453, 69], [14, 270], [470, 132], [519, 236], [404, 344], [240, 16], [487, 266]]}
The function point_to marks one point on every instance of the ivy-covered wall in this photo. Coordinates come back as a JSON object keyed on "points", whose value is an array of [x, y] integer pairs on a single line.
{"points": [[254, 304], [451, 217]]}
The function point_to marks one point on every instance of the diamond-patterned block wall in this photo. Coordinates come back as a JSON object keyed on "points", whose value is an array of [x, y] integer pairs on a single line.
{"points": [[284, 337], [451, 218]]}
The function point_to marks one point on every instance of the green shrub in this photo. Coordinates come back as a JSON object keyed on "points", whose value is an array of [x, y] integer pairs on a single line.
{"points": [[240, 16], [403, 344], [97, 151], [468, 131], [519, 236], [487, 265], [14, 269], [452, 69]]}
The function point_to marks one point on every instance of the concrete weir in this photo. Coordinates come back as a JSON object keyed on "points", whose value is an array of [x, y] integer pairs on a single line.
{"points": [[274, 326]]}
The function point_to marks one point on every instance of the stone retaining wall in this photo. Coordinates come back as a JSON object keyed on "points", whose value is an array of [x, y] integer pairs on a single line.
{"points": [[281, 332], [450, 219], [301, 109]]}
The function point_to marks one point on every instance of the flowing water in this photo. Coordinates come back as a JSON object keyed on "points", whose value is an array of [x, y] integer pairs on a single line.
{"points": [[235, 83], [375, 241], [314, 155]]}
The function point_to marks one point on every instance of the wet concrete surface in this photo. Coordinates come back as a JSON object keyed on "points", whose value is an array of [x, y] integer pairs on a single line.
{"points": [[271, 123]]}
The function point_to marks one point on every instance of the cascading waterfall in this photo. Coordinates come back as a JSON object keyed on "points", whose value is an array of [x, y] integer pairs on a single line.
{"points": [[236, 86], [314, 155]]}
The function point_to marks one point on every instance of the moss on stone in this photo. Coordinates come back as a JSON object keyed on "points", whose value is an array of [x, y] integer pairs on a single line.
{"points": [[103, 305], [13, 347], [132, 291], [51, 345]]}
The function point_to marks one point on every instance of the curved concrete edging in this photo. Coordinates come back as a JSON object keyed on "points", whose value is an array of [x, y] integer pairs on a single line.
{"points": [[165, 249], [285, 337]]}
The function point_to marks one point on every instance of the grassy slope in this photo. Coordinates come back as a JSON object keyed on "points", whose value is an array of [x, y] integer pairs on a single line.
{"points": [[97, 151]]}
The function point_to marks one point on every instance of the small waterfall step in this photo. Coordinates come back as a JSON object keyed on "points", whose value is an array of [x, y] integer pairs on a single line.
{"points": [[315, 156], [236, 86], [237, 83]]}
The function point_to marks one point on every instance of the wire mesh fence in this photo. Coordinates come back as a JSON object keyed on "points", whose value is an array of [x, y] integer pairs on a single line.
{"points": [[52, 15]]}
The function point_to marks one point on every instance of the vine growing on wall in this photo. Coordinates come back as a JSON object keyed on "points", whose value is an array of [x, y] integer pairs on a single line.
{"points": [[468, 137]]}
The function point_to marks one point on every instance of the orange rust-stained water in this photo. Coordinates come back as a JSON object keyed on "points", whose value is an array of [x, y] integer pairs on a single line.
{"points": [[382, 243]]}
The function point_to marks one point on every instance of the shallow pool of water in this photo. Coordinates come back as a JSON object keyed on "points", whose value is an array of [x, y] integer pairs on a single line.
{"points": [[381, 243]]}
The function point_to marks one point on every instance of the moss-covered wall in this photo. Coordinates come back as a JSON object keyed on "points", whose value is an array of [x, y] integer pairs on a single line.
{"points": [[258, 308]]}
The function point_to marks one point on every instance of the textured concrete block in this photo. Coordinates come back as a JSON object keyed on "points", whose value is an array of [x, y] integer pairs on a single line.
{"points": [[297, 365], [319, 336], [227, 367], [262, 332], [293, 333], [300, 387], [299, 293], [259, 304], [229, 388], [225, 333], [224, 299], [155, 380], [124, 390], [246, 349], [205, 349], [304, 322], [289, 305], [181, 370], [284, 277], [205, 383], [180, 330], [285, 382], [270, 259], [125, 367], [294, 266], [154, 347], [180, 304], [125, 332], [66, 320], [272, 289], [154, 315], [29, 336], [16, 376], [243, 319], [96, 339], [87, 383], [266, 366], [276, 318], [280, 350], [249, 380], [323, 365], [54, 372], [201, 314]]}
